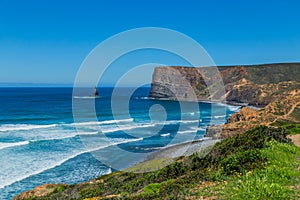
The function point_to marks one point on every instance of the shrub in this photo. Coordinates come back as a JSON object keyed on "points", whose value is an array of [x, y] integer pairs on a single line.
{"points": [[170, 187], [242, 161], [152, 188]]}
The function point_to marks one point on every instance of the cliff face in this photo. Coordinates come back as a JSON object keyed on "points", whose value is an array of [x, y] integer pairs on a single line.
{"points": [[256, 85], [275, 87], [284, 110]]}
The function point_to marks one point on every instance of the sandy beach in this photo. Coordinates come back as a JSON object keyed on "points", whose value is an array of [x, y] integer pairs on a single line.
{"points": [[183, 149]]}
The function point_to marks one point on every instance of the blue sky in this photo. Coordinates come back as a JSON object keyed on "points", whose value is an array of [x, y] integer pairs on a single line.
{"points": [[46, 41]]}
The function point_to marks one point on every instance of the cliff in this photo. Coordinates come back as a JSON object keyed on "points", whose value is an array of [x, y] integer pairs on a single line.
{"points": [[283, 111], [273, 87], [256, 85]]}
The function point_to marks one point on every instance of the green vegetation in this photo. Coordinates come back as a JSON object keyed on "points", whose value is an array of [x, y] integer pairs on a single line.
{"points": [[202, 90], [273, 73], [200, 87], [60, 188], [292, 127], [150, 165], [152, 188], [296, 113], [273, 181], [259, 164]]}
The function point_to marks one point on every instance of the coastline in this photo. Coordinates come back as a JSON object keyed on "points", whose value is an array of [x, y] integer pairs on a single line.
{"points": [[231, 103], [183, 149], [153, 162], [168, 155]]}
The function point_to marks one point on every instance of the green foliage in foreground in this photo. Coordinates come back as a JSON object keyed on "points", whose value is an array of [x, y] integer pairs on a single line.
{"points": [[293, 127], [259, 164], [274, 181]]}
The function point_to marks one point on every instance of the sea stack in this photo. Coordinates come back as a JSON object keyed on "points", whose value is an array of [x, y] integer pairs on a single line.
{"points": [[96, 93]]}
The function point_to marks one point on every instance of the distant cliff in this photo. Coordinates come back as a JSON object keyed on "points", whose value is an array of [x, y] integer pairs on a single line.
{"points": [[256, 85]]}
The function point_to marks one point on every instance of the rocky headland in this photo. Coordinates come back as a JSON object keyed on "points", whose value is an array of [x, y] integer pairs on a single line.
{"points": [[256, 85], [274, 88], [284, 110]]}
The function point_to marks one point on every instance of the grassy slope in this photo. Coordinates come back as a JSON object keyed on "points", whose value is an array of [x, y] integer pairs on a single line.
{"points": [[259, 164], [271, 73], [278, 179], [294, 128]]}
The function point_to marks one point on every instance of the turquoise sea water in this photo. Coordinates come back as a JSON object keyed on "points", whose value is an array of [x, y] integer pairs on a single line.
{"points": [[40, 142]]}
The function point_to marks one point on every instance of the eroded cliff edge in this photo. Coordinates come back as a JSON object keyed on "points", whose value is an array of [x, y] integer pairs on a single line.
{"points": [[284, 111], [256, 85], [275, 88]]}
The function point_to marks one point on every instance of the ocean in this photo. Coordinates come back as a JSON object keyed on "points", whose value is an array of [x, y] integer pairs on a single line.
{"points": [[41, 143]]}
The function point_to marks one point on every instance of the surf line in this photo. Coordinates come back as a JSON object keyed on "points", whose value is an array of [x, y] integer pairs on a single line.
{"points": [[63, 161]]}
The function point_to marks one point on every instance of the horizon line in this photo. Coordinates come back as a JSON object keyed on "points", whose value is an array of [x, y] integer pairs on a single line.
{"points": [[28, 84]]}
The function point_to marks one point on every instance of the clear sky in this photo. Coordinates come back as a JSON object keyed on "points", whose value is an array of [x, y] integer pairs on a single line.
{"points": [[46, 41]]}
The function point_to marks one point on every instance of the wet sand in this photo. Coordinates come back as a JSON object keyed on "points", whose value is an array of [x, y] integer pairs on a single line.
{"points": [[183, 149]]}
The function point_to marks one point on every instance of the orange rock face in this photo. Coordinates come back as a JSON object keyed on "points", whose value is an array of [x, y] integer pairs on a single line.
{"points": [[284, 109], [256, 85], [38, 191]]}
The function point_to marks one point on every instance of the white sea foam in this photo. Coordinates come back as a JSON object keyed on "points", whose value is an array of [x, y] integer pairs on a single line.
{"points": [[218, 116], [194, 130], [142, 98], [165, 134], [51, 166], [231, 107], [114, 121], [177, 122], [151, 148], [4, 145], [234, 108], [19, 127], [60, 133], [108, 171], [145, 125], [136, 126], [67, 136], [187, 131], [189, 121], [127, 127], [88, 133], [201, 129], [192, 113]]}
